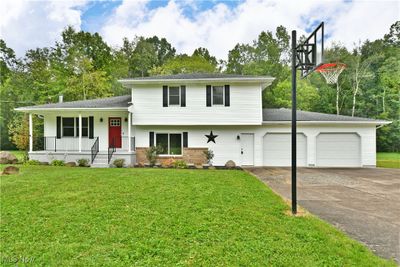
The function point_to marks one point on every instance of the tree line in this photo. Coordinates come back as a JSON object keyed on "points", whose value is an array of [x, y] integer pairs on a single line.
{"points": [[83, 66]]}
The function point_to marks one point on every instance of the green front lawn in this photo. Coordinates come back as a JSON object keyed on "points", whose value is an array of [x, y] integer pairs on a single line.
{"points": [[152, 217], [388, 159]]}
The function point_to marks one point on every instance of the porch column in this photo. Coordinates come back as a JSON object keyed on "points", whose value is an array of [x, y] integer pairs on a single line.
{"points": [[30, 133], [129, 131], [80, 132]]}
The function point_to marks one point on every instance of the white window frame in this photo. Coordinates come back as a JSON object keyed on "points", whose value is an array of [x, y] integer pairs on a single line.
{"points": [[212, 95], [179, 94], [168, 147]]}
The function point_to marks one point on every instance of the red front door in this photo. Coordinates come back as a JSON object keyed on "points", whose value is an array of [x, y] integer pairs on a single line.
{"points": [[114, 132]]}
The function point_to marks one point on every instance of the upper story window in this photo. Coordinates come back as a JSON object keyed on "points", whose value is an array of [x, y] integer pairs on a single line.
{"points": [[174, 96], [218, 95]]}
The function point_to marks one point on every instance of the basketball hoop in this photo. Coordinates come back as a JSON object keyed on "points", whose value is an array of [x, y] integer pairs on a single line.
{"points": [[331, 71]]}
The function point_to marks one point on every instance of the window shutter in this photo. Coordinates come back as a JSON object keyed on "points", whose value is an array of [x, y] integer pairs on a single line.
{"points": [[183, 96], [208, 92], [151, 139], [58, 127], [91, 127], [185, 139], [227, 96], [76, 126], [165, 96]]}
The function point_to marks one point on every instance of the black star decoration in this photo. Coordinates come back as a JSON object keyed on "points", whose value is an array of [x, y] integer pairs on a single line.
{"points": [[211, 137]]}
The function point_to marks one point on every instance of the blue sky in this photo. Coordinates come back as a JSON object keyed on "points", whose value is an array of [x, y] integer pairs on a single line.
{"points": [[188, 24]]}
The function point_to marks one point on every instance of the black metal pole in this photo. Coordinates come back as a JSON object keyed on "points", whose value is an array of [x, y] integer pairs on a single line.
{"points": [[294, 130]]}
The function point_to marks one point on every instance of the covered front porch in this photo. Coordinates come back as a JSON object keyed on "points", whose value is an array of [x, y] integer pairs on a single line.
{"points": [[98, 130]]}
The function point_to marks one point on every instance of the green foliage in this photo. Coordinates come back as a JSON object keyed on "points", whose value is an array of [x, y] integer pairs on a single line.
{"points": [[229, 218], [119, 163], [185, 64], [179, 164], [83, 162], [151, 154], [32, 162], [281, 95], [209, 154], [57, 162]]}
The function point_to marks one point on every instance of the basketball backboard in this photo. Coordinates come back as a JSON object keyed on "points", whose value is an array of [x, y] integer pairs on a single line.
{"points": [[310, 53]]}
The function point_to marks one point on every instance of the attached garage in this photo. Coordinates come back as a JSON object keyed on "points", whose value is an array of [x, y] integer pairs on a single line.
{"points": [[277, 149], [338, 150]]}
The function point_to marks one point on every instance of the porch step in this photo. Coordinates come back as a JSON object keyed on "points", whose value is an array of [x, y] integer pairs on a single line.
{"points": [[101, 161]]}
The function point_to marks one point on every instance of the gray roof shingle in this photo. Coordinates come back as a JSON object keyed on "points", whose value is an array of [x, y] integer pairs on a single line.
{"points": [[109, 102], [284, 114]]}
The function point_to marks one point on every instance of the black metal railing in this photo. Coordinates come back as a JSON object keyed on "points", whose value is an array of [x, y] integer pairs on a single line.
{"points": [[52, 143], [95, 149], [125, 143], [111, 149], [45, 143]]}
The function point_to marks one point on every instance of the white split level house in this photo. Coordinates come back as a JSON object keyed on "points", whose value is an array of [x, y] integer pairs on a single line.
{"points": [[187, 114]]}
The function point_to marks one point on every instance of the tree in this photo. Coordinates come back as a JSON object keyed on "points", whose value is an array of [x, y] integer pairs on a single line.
{"points": [[87, 83], [359, 71], [185, 64], [281, 96], [204, 53], [144, 57], [163, 49]]}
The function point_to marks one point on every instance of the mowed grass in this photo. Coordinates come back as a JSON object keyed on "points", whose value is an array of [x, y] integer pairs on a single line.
{"points": [[151, 217], [388, 159]]}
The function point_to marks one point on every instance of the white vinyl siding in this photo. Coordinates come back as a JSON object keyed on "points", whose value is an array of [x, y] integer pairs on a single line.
{"points": [[245, 107], [277, 149]]}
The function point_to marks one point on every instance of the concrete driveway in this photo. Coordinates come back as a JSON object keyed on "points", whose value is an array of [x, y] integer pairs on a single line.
{"points": [[364, 203]]}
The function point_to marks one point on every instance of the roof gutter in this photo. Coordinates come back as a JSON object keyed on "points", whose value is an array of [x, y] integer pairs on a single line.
{"points": [[381, 123], [22, 109], [262, 80]]}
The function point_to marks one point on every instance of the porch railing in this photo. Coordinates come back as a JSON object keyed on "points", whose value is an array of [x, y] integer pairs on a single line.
{"points": [[125, 143], [95, 149], [111, 149], [51, 143]]}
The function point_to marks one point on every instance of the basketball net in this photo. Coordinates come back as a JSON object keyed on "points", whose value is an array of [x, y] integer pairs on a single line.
{"points": [[331, 71]]}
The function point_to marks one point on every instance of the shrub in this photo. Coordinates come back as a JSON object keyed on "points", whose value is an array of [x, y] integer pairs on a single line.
{"points": [[83, 162], [151, 154], [32, 162], [209, 155], [57, 162], [180, 164], [168, 163], [119, 163]]}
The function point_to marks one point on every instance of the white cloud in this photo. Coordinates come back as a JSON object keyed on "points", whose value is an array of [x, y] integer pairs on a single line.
{"points": [[221, 27], [29, 24], [26, 25]]}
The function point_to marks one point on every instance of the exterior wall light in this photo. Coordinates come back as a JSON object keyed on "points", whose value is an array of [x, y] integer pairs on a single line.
{"points": [[238, 137], [101, 119]]}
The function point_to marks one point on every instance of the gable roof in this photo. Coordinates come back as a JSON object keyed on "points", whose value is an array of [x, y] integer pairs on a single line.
{"points": [[199, 77], [284, 114], [99, 103]]}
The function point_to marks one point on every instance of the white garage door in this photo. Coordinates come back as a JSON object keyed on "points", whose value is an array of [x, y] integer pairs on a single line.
{"points": [[338, 150], [277, 149]]}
